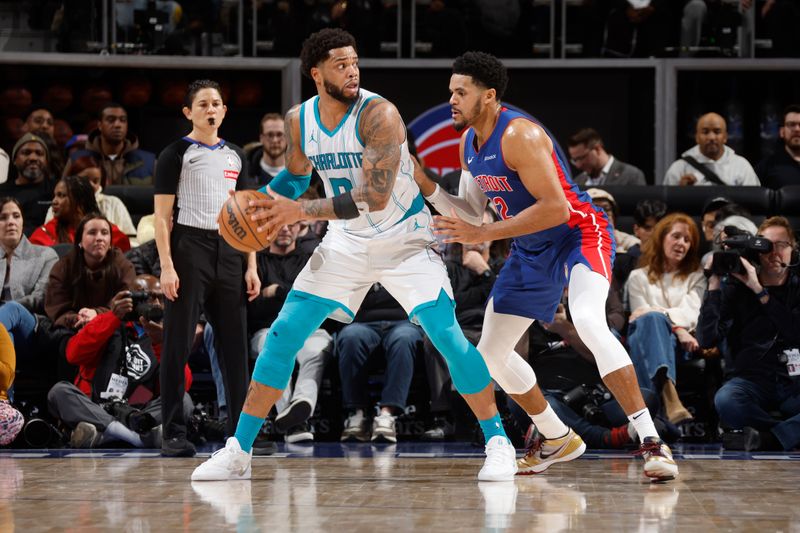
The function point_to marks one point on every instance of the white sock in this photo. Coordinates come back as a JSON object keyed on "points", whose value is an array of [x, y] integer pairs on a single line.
{"points": [[117, 431], [548, 424], [643, 423]]}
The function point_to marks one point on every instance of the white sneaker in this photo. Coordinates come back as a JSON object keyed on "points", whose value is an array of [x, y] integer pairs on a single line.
{"points": [[501, 460], [383, 428], [225, 464]]}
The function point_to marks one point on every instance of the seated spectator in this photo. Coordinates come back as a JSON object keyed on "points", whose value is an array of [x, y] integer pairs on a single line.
{"points": [[598, 167], [267, 158], [380, 322], [40, 122], [472, 272], [605, 201], [755, 316], [646, 215], [278, 266], [24, 267], [115, 395], [664, 298], [145, 259], [709, 218], [783, 167], [11, 420], [710, 161], [83, 282], [117, 150], [73, 199], [31, 182], [110, 206]]}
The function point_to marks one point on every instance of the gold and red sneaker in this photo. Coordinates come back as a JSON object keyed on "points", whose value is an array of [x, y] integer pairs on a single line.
{"points": [[658, 462], [541, 453]]}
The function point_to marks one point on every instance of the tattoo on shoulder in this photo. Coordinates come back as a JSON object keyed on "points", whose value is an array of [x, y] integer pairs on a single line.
{"points": [[382, 130]]}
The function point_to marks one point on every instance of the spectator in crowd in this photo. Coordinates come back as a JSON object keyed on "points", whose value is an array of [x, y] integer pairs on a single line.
{"points": [[24, 267], [117, 149], [587, 152], [31, 184], [83, 282], [40, 121], [380, 323], [267, 158], [646, 215], [145, 259], [709, 217], [664, 298], [472, 272], [710, 161], [73, 199], [605, 201], [783, 167], [278, 266], [754, 314], [115, 395], [11, 420], [110, 206]]}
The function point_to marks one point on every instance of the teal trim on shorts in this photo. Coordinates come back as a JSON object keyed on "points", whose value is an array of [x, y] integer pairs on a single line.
{"points": [[426, 305], [326, 301]]}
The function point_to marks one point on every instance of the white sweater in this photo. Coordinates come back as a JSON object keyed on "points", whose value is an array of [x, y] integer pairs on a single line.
{"points": [[679, 298], [731, 168]]}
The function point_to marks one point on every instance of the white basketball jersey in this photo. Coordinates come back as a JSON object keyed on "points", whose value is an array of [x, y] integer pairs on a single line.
{"points": [[337, 157]]}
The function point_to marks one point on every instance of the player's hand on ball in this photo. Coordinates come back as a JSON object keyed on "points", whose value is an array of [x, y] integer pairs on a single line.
{"points": [[275, 212], [454, 229]]}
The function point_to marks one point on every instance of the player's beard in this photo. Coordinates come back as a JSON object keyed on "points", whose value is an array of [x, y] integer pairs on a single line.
{"points": [[338, 94], [475, 112]]}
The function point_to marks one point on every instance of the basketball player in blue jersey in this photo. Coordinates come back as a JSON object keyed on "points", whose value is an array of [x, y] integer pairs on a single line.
{"points": [[559, 237], [380, 231]]}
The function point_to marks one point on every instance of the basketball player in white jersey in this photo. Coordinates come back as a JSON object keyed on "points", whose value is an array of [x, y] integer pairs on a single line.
{"points": [[379, 232]]}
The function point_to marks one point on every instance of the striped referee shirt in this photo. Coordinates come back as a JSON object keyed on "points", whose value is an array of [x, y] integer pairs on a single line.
{"points": [[200, 177]]}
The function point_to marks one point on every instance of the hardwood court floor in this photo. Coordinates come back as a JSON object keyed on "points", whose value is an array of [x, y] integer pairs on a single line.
{"points": [[403, 488]]}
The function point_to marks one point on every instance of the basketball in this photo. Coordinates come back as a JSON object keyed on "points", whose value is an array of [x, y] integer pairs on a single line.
{"points": [[235, 225]]}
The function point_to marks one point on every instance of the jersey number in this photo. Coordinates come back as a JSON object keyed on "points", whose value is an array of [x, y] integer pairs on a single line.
{"points": [[340, 185], [501, 207]]}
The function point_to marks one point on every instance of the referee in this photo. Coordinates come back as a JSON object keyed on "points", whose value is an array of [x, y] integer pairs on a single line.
{"points": [[199, 270]]}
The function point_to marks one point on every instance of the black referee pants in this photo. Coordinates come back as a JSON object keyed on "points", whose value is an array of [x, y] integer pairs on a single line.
{"points": [[211, 275]]}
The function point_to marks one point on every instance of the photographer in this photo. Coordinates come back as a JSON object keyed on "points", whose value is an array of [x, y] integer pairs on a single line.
{"points": [[756, 316], [118, 353]]}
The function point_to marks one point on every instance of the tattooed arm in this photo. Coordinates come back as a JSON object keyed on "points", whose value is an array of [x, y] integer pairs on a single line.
{"points": [[383, 133]]}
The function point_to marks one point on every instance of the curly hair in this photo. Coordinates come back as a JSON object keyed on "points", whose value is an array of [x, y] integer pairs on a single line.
{"points": [[196, 86], [653, 257], [485, 70], [81, 200], [318, 46]]}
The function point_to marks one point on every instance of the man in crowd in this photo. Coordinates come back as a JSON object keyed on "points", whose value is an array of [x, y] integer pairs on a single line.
{"points": [[588, 153]]}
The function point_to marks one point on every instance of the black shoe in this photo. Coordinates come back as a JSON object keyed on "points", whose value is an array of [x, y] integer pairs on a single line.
{"points": [[440, 430], [294, 415], [264, 446], [177, 447]]}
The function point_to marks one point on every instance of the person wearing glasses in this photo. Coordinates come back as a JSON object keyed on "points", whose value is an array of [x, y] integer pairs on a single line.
{"points": [[588, 154], [783, 167], [755, 315]]}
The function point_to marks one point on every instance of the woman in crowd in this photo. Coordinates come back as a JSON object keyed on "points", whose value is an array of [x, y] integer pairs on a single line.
{"points": [[73, 199], [83, 282], [110, 206], [665, 295]]}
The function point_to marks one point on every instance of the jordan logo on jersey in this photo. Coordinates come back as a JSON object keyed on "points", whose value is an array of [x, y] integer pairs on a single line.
{"points": [[493, 183], [336, 161]]}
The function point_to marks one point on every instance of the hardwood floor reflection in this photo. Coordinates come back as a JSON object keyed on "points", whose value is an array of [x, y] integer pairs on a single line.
{"points": [[385, 492]]}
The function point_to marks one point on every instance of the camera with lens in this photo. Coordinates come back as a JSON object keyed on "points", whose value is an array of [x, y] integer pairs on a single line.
{"points": [[738, 243], [586, 401], [142, 308]]}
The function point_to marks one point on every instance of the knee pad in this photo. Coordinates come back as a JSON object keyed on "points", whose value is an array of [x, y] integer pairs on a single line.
{"points": [[298, 319], [510, 371], [466, 365]]}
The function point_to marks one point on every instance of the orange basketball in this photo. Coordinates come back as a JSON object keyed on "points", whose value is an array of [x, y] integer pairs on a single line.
{"points": [[235, 225]]}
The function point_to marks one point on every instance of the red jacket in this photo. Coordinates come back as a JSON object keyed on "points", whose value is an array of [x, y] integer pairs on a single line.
{"points": [[47, 235], [87, 347]]}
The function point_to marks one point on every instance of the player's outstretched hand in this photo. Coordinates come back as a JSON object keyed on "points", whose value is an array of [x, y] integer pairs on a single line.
{"points": [[272, 213], [454, 229]]}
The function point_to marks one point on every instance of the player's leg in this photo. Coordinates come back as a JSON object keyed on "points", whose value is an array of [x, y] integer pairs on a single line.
{"points": [[297, 320], [471, 379], [559, 443], [588, 291]]}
